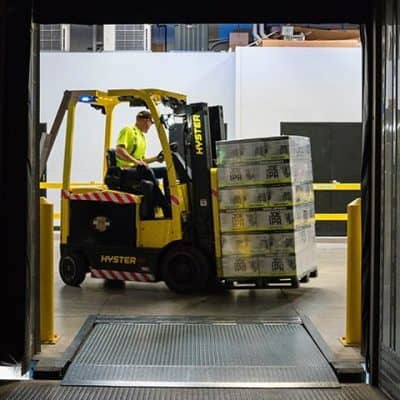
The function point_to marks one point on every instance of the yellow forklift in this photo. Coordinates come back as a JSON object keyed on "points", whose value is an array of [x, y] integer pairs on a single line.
{"points": [[104, 229]]}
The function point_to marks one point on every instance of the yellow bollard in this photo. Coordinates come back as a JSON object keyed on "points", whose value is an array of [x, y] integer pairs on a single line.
{"points": [[47, 335], [353, 281]]}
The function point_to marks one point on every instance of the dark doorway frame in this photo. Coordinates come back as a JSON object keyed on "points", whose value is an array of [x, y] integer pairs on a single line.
{"points": [[19, 128]]}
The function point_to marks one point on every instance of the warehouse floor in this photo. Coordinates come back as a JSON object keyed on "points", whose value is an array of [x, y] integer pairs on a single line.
{"points": [[322, 301]]}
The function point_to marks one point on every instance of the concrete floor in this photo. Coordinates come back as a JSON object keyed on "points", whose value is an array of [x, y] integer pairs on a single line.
{"points": [[322, 300]]}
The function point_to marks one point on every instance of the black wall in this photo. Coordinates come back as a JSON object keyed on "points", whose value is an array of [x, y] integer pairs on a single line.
{"points": [[18, 212], [336, 156]]}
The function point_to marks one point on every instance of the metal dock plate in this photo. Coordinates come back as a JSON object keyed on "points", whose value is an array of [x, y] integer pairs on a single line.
{"points": [[210, 354], [36, 390]]}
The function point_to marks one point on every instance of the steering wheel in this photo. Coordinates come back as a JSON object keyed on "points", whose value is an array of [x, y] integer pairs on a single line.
{"points": [[174, 148]]}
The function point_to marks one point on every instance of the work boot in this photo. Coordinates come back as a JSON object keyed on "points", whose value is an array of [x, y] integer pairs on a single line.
{"points": [[162, 202], [147, 204], [167, 211]]}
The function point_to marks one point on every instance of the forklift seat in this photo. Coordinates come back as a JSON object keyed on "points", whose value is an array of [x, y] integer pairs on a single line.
{"points": [[113, 175], [117, 178], [111, 158]]}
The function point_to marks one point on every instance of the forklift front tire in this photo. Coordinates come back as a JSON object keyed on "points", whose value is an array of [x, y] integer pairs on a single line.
{"points": [[185, 269], [72, 269]]}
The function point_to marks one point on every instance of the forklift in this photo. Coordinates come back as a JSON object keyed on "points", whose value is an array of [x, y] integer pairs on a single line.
{"points": [[105, 230]]}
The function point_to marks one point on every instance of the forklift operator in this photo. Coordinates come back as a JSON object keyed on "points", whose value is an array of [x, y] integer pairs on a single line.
{"points": [[130, 155]]}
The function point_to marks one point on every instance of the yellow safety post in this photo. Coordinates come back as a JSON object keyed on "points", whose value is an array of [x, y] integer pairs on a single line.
{"points": [[47, 335], [353, 280]]}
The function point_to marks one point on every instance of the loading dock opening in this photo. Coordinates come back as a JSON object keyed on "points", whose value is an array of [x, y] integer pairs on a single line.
{"points": [[16, 337]]}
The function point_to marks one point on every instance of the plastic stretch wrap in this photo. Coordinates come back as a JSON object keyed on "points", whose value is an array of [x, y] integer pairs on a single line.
{"points": [[266, 200]]}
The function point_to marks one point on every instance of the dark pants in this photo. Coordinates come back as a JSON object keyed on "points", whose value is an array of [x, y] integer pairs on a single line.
{"points": [[141, 173]]}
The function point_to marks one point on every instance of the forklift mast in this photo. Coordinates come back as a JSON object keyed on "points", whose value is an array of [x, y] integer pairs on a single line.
{"points": [[217, 127], [200, 155]]}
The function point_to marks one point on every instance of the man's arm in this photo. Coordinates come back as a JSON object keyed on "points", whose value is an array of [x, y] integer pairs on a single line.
{"points": [[158, 158], [122, 153]]}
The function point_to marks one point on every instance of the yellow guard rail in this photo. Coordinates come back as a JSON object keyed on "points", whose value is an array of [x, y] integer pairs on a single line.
{"points": [[317, 187]]}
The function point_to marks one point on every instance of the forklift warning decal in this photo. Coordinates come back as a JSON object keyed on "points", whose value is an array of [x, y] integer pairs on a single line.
{"points": [[122, 275], [198, 135], [175, 200], [113, 197], [101, 223]]}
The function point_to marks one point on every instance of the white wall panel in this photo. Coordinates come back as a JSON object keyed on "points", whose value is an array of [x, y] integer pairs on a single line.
{"points": [[291, 84]]}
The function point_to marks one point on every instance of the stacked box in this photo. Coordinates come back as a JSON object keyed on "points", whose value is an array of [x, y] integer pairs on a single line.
{"points": [[265, 173], [267, 242], [266, 200], [265, 196], [266, 218], [280, 265], [246, 151]]}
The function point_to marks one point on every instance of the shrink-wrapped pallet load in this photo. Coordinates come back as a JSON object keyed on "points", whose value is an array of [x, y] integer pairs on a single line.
{"points": [[267, 216]]}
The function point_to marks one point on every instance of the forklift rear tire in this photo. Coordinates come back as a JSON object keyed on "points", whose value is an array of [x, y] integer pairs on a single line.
{"points": [[314, 274], [185, 269], [305, 278], [73, 269], [295, 283]]}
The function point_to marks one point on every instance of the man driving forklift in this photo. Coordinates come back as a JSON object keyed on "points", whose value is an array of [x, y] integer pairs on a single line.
{"points": [[130, 154]]}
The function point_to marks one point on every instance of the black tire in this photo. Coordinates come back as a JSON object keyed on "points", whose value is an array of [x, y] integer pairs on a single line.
{"points": [[314, 274], [305, 278], [295, 283], [73, 269], [185, 269], [214, 285]]}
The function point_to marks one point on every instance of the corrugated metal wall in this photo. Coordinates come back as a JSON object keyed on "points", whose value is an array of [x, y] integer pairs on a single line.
{"points": [[191, 37], [389, 340]]}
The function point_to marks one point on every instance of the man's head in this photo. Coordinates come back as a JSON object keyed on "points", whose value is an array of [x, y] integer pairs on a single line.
{"points": [[144, 120]]}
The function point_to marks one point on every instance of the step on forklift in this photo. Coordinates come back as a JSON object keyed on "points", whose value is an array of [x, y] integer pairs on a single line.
{"points": [[106, 230]]}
